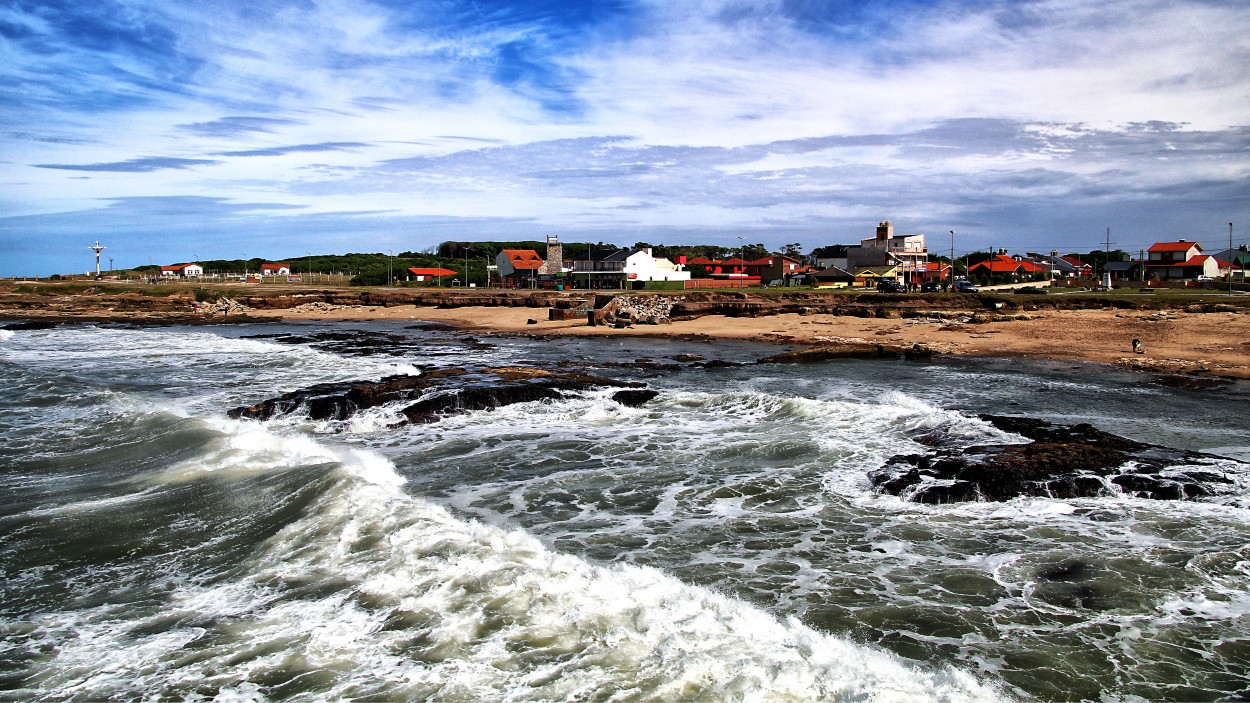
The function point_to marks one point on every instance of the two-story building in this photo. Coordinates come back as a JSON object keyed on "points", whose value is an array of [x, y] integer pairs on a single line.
{"points": [[1179, 260], [519, 268]]}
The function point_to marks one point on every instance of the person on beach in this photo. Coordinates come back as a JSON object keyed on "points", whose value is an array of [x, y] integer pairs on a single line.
{"points": [[1137, 347]]}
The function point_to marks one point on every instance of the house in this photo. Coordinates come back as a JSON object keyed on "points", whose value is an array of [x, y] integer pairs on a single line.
{"points": [[1178, 260], [1080, 269], [519, 267], [643, 266], [1002, 264], [1124, 270], [1069, 266], [935, 271], [616, 268], [182, 271], [275, 269], [428, 274], [1234, 261], [833, 256], [778, 267], [734, 269], [885, 248], [870, 276], [602, 267], [832, 277]]}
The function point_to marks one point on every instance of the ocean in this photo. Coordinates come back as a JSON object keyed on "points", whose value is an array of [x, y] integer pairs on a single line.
{"points": [[721, 542]]}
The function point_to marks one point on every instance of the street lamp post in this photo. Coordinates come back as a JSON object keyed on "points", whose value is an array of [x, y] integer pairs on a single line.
{"points": [[390, 260], [952, 257], [1231, 254], [742, 256]]}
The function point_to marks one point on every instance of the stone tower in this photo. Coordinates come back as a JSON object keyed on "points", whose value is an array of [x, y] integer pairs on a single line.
{"points": [[555, 257]]}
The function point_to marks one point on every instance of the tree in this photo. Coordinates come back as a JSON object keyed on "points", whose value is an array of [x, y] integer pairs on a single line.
{"points": [[795, 249], [751, 252]]}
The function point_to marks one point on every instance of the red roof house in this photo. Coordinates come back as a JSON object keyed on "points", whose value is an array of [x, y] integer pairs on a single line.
{"points": [[1179, 259], [1002, 263], [421, 274]]}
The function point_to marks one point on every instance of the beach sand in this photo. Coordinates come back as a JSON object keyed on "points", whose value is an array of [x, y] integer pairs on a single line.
{"points": [[1215, 343]]}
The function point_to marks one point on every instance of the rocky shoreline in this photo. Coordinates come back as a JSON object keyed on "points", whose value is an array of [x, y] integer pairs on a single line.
{"points": [[1191, 341]]}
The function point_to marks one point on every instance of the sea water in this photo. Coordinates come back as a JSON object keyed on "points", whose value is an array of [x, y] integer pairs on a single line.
{"points": [[720, 543]]}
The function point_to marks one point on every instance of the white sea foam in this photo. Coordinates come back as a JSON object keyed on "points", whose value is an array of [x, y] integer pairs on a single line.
{"points": [[6, 335], [415, 603]]}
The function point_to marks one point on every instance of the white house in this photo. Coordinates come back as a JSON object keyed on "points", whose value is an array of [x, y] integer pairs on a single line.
{"points": [[183, 270], [642, 266], [283, 269]]}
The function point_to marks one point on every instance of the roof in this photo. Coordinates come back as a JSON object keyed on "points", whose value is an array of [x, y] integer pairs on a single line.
{"points": [[597, 253], [833, 273], [1174, 246], [523, 259], [876, 271], [1001, 263], [701, 261], [177, 267], [430, 271], [619, 255], [1075, 261], [275, 266]]}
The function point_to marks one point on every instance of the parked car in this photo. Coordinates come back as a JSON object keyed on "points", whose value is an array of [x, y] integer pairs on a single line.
{"points": [[1031, 290], [890, 287], [1200, 279], [965, 287], [929, 287]]}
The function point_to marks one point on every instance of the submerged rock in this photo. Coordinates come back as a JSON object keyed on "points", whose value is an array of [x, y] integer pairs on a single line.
{"points": [[436, 393], [1058, 461]]}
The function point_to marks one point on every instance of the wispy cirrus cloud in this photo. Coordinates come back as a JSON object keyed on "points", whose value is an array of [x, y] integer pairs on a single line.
{"points": [[232, 127], [141, 165], [297, 149]]}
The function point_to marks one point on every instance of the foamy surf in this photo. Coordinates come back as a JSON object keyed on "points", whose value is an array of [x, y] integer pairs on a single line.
{"points": [[376, 594]]}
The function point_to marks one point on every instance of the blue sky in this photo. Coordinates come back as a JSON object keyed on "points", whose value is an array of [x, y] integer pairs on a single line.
{"points": [[218, 129]]}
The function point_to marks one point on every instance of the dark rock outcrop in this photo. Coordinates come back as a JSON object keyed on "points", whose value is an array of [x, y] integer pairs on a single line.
{"points": [[809, 355], [31, 325], [634, 398], [1058, 461], [435, 394]]}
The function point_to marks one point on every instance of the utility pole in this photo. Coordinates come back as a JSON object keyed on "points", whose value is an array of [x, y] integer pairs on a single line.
{"points": [[1231, 254], [390, 260], [1106, 254]]}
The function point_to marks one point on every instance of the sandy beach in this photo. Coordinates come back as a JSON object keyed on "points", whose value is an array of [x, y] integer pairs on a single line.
{"points": [[1215, 343]]}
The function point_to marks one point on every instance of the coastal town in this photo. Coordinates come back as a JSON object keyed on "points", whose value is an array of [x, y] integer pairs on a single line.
{"points": [[886, 261]]}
